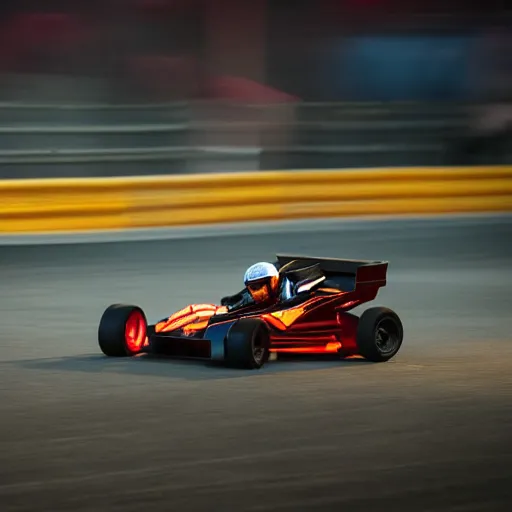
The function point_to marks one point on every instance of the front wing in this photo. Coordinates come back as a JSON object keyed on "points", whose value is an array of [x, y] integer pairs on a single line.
{"points": [[209, 346]]}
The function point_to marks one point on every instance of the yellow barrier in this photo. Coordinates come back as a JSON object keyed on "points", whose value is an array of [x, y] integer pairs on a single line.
{"points": [[28, 206]]}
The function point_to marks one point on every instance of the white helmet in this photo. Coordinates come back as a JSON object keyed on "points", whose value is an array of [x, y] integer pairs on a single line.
{"points": [[262, 280]]}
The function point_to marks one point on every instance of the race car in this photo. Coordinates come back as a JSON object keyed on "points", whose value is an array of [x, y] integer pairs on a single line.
{"points": [[243, 333]]}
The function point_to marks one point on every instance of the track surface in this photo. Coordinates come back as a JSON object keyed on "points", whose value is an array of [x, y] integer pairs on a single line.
{"points": [[430, 430]]}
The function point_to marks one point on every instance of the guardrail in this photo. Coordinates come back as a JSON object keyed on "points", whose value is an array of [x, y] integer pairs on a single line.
{"points": [[51, 141], [77, 205]]}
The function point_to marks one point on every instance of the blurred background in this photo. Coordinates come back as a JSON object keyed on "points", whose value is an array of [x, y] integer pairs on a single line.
{"points": [[120, 87]]}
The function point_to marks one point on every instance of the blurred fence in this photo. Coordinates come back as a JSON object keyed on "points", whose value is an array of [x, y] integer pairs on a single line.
{"points": [[114, 140], [268, 84], [95, 92], [74, 205]]}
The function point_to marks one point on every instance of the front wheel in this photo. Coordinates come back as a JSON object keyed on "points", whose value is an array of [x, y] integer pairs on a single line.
{"points": [[122, 330], [247, 344], [379, 334]]}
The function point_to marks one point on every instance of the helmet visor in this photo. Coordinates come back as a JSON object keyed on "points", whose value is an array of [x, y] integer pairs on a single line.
{"points": [[259, 290]]}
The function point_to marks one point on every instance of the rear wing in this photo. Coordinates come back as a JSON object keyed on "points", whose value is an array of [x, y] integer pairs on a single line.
{"points": [[359, 272]]}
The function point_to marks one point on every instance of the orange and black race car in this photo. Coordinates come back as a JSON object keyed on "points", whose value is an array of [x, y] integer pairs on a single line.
{"points": [[313, 317]]}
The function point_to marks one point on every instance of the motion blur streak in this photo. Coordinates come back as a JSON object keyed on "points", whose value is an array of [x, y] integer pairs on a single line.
{"points": [[32, 206], [428, 431]]}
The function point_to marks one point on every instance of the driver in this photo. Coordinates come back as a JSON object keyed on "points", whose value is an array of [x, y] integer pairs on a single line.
{"points": [[262, 282], [265, 284]]}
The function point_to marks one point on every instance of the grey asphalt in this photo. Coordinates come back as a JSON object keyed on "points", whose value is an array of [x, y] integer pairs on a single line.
{"points": [[429, 430]]}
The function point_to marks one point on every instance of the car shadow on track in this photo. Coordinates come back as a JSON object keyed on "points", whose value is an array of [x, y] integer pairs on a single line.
{"points": [[161, 366]]}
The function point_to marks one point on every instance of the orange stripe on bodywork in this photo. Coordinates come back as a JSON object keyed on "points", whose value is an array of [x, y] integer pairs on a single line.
{"points": [[329, 348], [189, 315], [288, 316], [194, 327], [274, 321]]}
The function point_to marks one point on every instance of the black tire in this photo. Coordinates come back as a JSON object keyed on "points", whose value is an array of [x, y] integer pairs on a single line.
{"points": [[113, 338], [247, 344], [379, 334]]}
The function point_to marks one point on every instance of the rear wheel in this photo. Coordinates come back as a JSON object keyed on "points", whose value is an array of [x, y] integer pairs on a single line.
{"points": [[247, 344], [122, 330], [379, 334]]}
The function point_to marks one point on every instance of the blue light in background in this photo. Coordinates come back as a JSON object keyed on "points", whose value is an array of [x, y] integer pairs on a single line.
{"points": [[408, 68]]}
